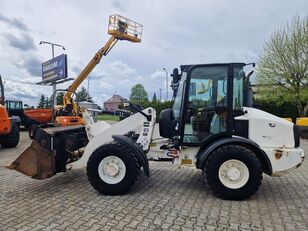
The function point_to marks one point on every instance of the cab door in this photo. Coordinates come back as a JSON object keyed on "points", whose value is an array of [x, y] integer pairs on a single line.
{"points": [[206, 109]]}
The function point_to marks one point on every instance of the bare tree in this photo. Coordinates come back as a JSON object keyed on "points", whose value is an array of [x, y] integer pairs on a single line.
{"points": [[284, 61]]}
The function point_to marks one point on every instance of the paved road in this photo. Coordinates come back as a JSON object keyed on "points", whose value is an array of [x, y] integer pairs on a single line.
{"points": [[171, 199]]}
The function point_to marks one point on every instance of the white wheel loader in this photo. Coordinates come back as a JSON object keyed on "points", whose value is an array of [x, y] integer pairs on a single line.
{"points": [[211, 127]]}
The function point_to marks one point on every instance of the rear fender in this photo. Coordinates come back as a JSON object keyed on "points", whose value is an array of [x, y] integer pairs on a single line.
{"points": [[205, 151], [136, 149]]}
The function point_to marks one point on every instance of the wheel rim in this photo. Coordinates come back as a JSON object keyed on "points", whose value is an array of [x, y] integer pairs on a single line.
{"points": [[233, 174], [111, 170]]}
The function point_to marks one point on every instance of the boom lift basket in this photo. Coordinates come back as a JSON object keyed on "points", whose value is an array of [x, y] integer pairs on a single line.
{"points": [[124, 29]]}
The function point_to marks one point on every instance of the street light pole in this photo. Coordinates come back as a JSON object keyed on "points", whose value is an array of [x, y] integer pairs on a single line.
{"points": [[160, 90], [166, 83], [53, 50], [54, 86]]}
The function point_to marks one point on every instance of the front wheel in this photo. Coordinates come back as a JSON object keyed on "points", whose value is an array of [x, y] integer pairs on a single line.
{"points": [[233, 172], [112, 169]]}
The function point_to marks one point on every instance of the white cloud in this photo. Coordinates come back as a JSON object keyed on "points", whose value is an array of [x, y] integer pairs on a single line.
{"points": [[158, 75], [174, 33]]}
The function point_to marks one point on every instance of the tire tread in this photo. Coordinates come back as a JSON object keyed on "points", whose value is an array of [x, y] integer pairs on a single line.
{"points": [[96, 157], [216, 188]]}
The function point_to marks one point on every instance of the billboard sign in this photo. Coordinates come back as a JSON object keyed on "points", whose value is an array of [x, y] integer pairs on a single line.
{"points": [[54, 69]]}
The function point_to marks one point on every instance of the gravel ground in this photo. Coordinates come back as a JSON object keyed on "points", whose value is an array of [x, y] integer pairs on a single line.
{"points": [[170, 199]]}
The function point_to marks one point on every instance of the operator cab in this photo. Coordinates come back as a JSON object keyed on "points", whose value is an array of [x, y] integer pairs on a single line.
{"points": [[207, 97]]}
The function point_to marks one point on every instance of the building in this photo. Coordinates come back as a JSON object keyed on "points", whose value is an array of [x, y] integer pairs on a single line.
{"points": [[113, 103]]}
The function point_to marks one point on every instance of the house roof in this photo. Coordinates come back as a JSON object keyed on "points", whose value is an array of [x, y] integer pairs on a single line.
{"points": [[115, 99]]}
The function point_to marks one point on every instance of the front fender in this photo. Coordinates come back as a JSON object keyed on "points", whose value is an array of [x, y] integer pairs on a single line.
{"points": [[206, 150], [135, 148], [101, 134]]}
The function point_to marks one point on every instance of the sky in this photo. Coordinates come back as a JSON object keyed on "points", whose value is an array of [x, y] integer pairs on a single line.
{"points": [[174, 33]]}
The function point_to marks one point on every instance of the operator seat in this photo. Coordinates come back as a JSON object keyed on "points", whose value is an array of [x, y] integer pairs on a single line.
{"points": [[219, 120]]}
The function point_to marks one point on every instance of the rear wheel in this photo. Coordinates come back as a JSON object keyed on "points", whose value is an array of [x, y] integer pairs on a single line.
{"points": [[113, 169], [233, 172], [11, 140]]}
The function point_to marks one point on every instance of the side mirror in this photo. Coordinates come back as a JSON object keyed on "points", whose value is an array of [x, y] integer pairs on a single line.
{"points": [[175, 76]]}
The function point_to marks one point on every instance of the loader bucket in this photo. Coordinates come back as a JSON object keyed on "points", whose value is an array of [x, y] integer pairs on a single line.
{"points": [[36, 162], [50, 151]]}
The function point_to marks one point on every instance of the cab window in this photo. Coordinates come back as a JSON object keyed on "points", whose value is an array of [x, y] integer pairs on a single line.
{"points": [[206, 112]]}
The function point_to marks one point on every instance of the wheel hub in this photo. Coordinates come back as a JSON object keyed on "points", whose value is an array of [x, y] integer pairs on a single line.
{"points": [[112, 169], [233, 174]]}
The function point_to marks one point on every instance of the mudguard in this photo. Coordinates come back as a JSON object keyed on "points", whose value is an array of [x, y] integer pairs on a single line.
{"points": [[136, 149], [206, 150]]}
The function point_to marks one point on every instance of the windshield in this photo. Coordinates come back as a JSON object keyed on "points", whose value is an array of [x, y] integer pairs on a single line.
{"points": [[179, 96]]}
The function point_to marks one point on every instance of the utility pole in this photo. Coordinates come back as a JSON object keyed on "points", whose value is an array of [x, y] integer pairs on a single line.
{"points": [[54, 85], [166, 83], [160, 90]]}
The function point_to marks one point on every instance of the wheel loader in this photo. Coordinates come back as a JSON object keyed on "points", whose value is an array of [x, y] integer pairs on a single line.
{"points": [[9, 129], [211, 127]]}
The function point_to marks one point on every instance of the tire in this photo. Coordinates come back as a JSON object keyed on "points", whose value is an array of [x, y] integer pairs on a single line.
{"points": [[12, 139], [97, 171], [32, 130], [233, 172]]}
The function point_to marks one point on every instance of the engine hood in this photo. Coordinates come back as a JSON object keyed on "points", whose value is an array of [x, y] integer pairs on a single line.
{"points": [[268, 130]]}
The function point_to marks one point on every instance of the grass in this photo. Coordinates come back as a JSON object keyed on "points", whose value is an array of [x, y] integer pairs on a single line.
{"points": [[108, 117]]}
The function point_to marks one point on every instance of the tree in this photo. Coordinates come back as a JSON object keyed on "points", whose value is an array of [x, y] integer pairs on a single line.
{"points": [[283, 63], [138, 94], [154, 99], [83, 95], [42, 102], [48, 102]]}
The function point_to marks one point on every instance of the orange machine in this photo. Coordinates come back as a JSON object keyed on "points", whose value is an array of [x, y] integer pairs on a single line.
{"points": [[120, 28], [40, 115], [5, 124], [9, 131], [44, 116]]}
